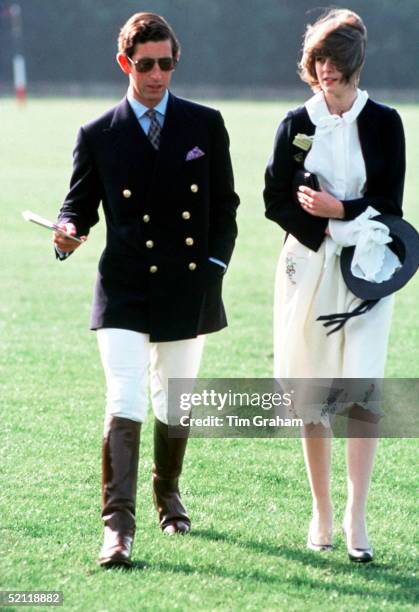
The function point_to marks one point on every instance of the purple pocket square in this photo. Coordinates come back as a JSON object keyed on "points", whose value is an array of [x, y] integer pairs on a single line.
{"points": [[194, 154]]}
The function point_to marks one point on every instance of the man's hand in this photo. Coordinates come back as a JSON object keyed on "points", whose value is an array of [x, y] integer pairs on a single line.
{"points": [[320, 203], [64, 244]]}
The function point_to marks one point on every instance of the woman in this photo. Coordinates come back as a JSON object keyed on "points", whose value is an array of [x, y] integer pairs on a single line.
{"points": [[355, 147]]}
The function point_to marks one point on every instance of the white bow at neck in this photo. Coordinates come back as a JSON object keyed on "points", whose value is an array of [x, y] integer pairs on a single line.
{"points": [[321, 117]]}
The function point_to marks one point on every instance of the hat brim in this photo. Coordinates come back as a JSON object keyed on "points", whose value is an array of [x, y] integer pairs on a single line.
{"points": [[405, 244]]}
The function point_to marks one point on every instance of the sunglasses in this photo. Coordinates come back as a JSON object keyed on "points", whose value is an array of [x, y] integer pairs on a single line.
{"points": [[146, 64]]}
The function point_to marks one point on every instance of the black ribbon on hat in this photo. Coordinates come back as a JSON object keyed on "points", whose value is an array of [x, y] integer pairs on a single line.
{"points": [[405, 243], [339, 319]]}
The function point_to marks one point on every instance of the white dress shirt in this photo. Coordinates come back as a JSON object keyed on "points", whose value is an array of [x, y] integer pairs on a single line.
{"points": [[140, 110]]}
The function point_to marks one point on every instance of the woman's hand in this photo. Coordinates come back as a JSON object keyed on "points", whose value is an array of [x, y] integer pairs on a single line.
{"points": [[320, 203]]}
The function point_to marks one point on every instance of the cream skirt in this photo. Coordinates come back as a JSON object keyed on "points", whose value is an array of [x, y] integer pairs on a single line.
{"points": [[306, 288]]}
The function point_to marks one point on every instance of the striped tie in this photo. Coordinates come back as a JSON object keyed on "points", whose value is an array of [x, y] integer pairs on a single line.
{"points": [[154, 129]]}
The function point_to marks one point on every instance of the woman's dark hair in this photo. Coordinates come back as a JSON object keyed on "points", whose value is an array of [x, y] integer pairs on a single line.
{"points": [[339, 34]]}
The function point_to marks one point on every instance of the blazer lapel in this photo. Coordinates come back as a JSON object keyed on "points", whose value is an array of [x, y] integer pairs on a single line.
{"points": [[369, 139], [131, 145], [175, 138], [134, 155]]}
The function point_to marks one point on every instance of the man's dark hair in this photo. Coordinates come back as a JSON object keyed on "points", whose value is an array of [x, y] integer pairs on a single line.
{"points": [[145, 27]]}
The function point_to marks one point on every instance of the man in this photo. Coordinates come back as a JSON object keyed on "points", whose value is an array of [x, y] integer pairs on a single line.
{"points": [[161, 167]]}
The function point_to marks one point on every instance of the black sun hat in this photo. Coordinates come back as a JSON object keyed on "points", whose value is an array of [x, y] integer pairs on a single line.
{"points": [[405, 244]]}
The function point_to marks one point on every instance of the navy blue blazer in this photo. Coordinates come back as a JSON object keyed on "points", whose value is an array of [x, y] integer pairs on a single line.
{"points": [[165, 216], [383, 147]]}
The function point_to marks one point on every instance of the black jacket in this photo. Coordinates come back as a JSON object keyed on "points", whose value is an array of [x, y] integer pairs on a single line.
{"points": [[165, 217], [383, 147]]}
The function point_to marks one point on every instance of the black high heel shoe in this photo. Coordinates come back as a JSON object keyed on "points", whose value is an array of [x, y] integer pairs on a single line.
{"points": [[358, 555]]}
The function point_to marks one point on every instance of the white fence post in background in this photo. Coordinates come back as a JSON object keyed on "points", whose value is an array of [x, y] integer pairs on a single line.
{"points": [[19, 67]]}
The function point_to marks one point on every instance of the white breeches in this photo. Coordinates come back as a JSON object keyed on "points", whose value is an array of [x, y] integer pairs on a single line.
{"points": [[128, 357]]}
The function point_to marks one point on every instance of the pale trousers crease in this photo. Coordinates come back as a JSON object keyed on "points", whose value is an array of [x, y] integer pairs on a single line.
{"points": [[128, 358]]}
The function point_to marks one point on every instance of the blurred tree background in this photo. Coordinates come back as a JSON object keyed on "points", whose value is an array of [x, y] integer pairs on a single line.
{"points": [[226, 43]]}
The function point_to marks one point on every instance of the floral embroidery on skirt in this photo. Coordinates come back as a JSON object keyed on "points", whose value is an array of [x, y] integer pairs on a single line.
{"points": [[290, 269]]}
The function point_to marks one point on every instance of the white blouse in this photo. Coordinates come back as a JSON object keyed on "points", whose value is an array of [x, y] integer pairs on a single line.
{"points": [[335, 155], [336, 158]]}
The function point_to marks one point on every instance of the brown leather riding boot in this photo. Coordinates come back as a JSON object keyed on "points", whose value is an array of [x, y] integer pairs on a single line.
{"points": [[119, 487], [168, 460]]}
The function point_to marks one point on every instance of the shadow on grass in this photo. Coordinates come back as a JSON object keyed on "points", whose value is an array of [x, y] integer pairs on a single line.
{"points": [[139, 565], [386, 582], [122, 569], [395, 586]]}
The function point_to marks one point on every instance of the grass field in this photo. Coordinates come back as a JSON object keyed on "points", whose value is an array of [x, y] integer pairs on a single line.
{"points": [[248, 498]]}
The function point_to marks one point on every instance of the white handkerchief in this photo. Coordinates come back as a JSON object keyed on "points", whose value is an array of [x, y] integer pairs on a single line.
{"points": [[372, 260]]}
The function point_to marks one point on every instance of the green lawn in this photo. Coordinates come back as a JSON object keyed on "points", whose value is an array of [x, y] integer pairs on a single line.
{"points": [[248, 498]]}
